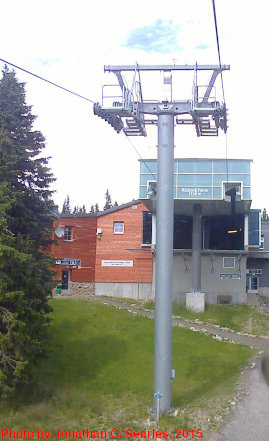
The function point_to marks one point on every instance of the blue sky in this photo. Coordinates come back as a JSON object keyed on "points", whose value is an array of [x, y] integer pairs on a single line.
{"points": [[70, 42], [158, 37]]}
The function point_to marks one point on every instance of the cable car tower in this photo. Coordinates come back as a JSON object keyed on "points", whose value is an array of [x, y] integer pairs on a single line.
{"points": [[126, 111]]}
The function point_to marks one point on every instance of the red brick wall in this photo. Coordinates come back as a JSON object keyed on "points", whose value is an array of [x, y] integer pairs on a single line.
{"points": [[92, 250], [126, 246], [83, 247]]}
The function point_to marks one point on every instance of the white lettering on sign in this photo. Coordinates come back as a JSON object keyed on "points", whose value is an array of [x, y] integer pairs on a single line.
{"points": [[194, 191], [119, 263], [67, 261], [229, 276]]}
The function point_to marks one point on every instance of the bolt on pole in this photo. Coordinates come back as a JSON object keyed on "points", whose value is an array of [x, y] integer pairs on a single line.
{"points": [[164, 263]]}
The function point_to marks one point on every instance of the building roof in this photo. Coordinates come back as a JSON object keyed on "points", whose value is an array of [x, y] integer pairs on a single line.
{"points": [[100, 213], [200, 159]]}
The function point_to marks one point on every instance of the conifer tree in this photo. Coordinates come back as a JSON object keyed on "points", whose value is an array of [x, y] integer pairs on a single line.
{"points": [[108, 203], [82, 209], [265, 216], [66, 206], [26, 211]]}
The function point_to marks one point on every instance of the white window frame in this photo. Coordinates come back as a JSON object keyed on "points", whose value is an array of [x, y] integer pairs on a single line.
{"points": [[232, 183], [153, 185], [117, 230], [226, 257], [70, 229]]}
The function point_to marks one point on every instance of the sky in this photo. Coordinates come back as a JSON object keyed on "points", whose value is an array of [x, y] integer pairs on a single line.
{"points": [[69, 43]]}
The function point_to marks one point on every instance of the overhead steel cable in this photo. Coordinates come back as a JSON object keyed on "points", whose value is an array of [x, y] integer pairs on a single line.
{"points": [[47, 81], [222, 84], [143, 160], [73, 93], [217, 37]]}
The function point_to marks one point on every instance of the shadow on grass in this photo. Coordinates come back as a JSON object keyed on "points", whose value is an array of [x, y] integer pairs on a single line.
{"points": [[75, 365]]}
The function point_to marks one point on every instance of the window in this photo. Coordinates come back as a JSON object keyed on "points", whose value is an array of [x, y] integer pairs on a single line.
{"points": [[193, 180], [228, 262], [118, 228], [229, 186], [147, 227], [254, 227], [68, 233], [262, 243]]}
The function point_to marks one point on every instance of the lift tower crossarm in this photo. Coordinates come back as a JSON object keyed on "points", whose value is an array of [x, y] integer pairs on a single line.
{"points": [[166, 67]]}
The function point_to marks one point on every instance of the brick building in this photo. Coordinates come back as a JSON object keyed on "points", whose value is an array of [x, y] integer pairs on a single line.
{"points": [[108, 252]]}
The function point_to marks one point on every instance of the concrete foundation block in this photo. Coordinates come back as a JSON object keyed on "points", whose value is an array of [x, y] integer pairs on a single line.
{"points": [[195, 301]]}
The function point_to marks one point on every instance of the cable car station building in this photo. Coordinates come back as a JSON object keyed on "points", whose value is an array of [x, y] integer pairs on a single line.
{"points": [[212, 199]]}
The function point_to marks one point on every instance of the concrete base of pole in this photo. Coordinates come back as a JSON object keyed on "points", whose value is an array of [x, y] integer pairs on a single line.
{"points": [[195, 301]]}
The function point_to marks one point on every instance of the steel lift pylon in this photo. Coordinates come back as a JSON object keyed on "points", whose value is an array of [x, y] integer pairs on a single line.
{"points": [[125, 111]]}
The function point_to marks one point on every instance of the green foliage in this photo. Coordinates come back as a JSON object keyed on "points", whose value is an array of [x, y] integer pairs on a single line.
{"points": [[66, 206], [26, 211], [108, 203], [78, 209], [265, 216]]}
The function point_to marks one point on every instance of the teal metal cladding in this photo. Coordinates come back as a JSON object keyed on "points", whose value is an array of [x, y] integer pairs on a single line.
{"points": [[201, 178]]}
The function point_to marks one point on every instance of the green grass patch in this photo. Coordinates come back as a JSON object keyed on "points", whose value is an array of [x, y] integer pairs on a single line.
{"points": [[99, 373], [238, 317]]}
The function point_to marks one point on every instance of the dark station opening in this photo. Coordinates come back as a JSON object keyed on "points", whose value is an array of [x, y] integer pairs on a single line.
{"points": [[224, 232], [182, 232], [219, 232]]}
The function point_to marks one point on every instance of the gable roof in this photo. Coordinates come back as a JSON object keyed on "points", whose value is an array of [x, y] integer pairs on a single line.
{"points": [[100, 213]]}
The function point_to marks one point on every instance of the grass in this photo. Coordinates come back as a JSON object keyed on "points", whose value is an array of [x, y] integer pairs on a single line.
{"points": [[238, 317], [98, 374]]}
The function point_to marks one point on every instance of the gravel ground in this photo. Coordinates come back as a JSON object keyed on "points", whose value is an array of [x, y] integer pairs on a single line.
{"points": [[249, 419]]}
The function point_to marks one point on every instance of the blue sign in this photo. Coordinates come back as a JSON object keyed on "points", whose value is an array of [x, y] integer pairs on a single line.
{"points": [[74, 262], [227, 276]]}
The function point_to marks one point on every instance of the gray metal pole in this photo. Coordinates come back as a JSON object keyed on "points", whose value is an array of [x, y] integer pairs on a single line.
{"points": [[164, 263], [196, 247]]}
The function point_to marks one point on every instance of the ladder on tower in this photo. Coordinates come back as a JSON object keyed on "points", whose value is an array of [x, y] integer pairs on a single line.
{"points": [[134, 127], [203, 128]]}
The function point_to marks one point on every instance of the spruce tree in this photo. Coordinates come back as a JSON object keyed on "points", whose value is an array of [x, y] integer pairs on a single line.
{"points": [[108, 203], [66, 206], [265, 216], [26, 213], [82, 209]]}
